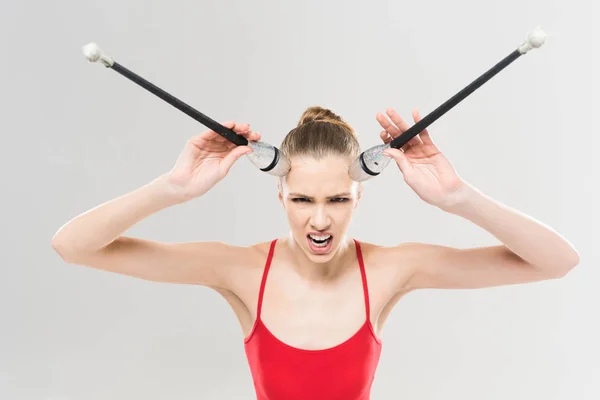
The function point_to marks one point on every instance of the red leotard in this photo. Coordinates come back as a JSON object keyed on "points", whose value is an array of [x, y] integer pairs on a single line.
{"points": [[284, 372]]}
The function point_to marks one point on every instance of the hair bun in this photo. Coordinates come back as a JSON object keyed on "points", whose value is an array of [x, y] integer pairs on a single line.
{"points": [[320, 133], [321, 114], [316, 113]]}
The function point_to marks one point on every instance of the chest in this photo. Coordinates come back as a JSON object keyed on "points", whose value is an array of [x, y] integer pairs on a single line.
{"points": [[313, 316]]}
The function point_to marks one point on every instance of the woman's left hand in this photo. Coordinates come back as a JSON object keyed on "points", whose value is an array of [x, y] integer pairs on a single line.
{"points": [[425, 169]]}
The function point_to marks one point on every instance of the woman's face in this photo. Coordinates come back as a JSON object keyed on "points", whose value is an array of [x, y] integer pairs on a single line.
{"points": [[319, 199]]}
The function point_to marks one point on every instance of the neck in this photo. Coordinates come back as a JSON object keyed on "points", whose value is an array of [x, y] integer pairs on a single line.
{"points": [[324, 271]]}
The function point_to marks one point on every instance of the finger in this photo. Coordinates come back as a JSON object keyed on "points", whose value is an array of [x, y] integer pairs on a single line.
{"points": [[415, 141], [245, 131], [387, 125], [402, 127], [212, 135], [206, 135], [397, 119], [424, 134], [232, 157], [404, 147], [251, 135], [385, 137], [241, 128], [401, 160]]}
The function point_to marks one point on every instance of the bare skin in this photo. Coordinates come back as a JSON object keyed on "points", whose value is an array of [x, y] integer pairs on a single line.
{"points": [[314, 300], [307, 313]]}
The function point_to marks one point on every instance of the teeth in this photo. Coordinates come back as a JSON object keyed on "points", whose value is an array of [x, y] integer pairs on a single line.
{"points": [[320, 241], [320, 238]]}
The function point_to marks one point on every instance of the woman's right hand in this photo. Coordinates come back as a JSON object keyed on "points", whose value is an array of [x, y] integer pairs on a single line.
{"points": [[206, 159]]}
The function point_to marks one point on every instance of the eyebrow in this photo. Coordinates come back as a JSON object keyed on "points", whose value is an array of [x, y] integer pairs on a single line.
{"points": [[337, 195]]}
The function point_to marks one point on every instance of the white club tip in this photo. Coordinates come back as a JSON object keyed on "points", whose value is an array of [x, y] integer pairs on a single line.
{"points": [[535, 40], [93, 53], [537, 37]]}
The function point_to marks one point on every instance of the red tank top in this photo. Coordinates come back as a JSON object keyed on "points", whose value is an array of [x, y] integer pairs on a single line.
{"points": [[283, 372]]}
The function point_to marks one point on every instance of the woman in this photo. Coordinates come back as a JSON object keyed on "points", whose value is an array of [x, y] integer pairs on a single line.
{"points": [[312, 304]]}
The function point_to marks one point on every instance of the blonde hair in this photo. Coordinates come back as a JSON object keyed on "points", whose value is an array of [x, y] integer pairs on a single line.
{"points": [[319, 133]]}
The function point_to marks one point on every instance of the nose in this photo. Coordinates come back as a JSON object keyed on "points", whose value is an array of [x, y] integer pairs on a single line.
{"points": [[320, 219]]}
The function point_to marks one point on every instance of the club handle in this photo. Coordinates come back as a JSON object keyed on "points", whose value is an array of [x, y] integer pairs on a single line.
{"points": [[414, 130], [180, 105]]}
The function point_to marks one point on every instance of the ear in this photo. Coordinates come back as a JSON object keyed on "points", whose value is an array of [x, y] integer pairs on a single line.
{"points": [[280, 192], [358, 194]]}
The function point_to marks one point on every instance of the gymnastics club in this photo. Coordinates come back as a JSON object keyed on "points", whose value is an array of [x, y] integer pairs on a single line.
{"points": [[371, 162], [266, 157]]}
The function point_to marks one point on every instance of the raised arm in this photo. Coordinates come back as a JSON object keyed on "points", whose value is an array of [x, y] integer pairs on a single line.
{"points": [[95, 238], [528, 251]]}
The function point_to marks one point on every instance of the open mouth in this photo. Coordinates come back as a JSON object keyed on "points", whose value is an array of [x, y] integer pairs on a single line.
{"points": [[320, 241]]}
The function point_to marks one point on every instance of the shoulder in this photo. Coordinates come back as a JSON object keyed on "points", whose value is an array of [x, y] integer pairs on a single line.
{"points": [[381, 256], [249, 261], [395, 265], [231, 254], [218, 263]]}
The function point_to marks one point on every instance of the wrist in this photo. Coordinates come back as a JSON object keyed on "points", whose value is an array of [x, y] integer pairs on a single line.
{"points": [[461, 200], [166, 192]]}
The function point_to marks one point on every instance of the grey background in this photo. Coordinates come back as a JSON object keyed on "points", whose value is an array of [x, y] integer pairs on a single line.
{"points": [[76, 135]]}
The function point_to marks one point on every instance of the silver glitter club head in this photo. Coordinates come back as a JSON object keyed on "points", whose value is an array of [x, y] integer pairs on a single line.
{"points": [[369, 164], [268, 159]]}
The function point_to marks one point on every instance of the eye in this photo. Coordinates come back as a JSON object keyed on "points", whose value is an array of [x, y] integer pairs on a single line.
{"points": [[300, 200], [340, 199]]}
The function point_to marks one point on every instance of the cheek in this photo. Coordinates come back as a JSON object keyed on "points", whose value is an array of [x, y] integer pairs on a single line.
{"points": [[344, 214], [296, 215]]}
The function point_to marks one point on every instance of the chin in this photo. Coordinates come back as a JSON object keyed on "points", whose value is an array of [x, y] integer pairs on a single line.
{"points": [[319, 258]]}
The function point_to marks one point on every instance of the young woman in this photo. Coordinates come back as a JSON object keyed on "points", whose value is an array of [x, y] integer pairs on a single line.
{"points": [[312, 304]]}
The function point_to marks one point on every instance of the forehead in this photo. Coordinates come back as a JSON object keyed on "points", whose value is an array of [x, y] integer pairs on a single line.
{"points": [[312, 177]]}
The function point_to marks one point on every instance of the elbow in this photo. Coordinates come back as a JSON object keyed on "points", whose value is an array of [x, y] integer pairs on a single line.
{"points": [[60, 248], [565, 267], [572, 262], [63, 249]]}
